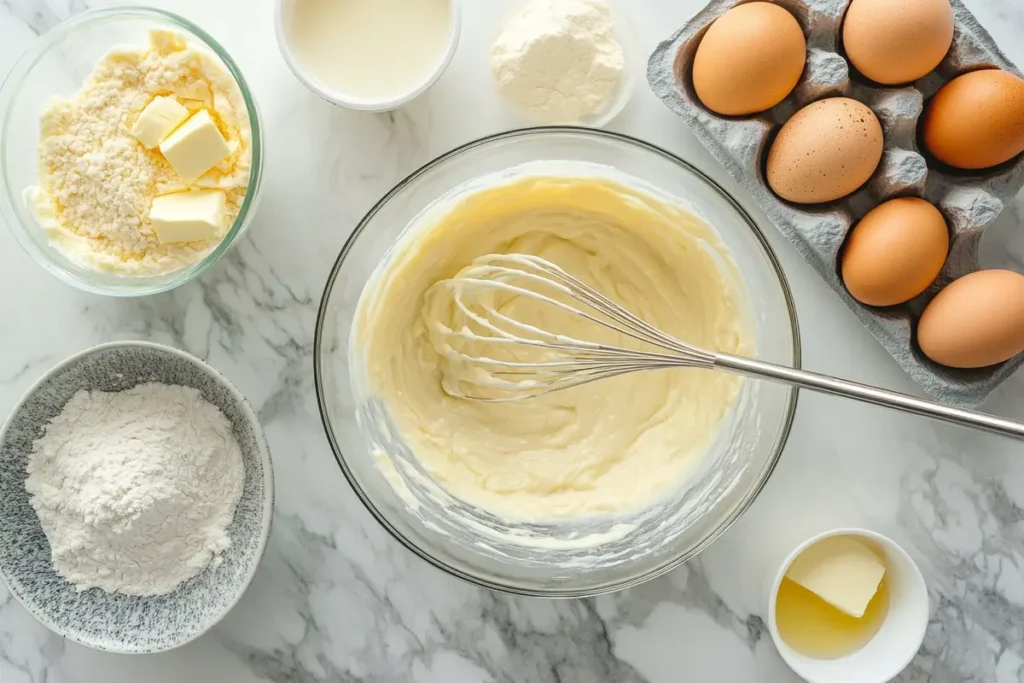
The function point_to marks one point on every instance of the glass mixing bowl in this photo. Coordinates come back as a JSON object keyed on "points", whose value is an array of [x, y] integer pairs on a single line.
{"points": [[58, 64], [566, 557]]}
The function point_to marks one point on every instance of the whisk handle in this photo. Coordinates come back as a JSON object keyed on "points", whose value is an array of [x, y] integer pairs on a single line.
{"points": [[869, 394]]}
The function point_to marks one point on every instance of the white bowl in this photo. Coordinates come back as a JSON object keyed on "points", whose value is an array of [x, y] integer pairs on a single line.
{"points": [[891, 649], [282, 9], [112, 621]]}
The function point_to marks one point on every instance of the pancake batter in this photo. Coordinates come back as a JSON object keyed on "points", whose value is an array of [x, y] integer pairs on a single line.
{"points": [[605, 447]]}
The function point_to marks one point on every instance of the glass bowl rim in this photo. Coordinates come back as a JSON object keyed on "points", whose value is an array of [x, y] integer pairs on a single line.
{"points": [[12, 84], [737, 510]]}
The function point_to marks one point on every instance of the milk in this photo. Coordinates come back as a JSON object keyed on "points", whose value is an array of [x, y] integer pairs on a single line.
{"points": [[373, 50]]}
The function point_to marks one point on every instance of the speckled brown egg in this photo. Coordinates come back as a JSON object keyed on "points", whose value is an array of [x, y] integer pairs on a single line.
{"points": [[825, 151], [894, 252], [897, 41], [749, 59], [976, 120], [975, 321]]}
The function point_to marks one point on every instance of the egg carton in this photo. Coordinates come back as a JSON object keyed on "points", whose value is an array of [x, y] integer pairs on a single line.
{"points": [[968, 201]]}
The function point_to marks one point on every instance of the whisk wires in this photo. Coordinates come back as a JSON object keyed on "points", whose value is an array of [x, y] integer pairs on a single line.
{"points": [[491, 354]]}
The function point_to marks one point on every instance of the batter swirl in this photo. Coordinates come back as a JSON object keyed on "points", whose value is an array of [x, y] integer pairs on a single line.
{"points": [[601, 448]]}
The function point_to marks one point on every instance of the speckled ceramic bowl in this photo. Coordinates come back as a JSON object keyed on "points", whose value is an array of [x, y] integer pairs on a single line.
{"points": [[115, 622]]}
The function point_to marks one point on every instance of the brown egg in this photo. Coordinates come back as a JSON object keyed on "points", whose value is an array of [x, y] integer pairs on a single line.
{"points": [[975, 321], [894, 252], [897, 41], [825, 151], [749, 59], [976, 120]]}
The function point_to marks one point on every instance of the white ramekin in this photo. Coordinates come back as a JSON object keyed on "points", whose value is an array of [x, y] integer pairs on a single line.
{"points": [[342, 100], [891, 649]]}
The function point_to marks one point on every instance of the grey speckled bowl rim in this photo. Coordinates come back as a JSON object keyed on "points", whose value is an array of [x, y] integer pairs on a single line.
{"points": [[268, 477]]}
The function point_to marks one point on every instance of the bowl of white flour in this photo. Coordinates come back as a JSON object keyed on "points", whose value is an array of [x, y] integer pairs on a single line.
{"points": [[136, 495]]}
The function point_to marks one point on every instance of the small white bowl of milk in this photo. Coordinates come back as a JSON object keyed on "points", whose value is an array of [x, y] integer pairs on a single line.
{"points": [[371, 55]]}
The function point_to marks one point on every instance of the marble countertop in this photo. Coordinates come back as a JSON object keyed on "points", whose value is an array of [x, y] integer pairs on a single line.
{"points": [[336, 599]]}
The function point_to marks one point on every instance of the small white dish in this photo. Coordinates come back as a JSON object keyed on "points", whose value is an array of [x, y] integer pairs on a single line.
{"points": [[282, 12], [897, 641]]}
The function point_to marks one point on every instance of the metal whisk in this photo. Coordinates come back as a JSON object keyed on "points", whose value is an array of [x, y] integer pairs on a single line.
{"points": [[537, 361]]}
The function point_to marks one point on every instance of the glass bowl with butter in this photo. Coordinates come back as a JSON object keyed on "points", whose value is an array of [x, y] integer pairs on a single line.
{"points": [[484, 505], [131, 151]]}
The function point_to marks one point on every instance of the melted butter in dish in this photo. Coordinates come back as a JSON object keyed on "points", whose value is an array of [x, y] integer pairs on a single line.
{"points": [[606, 447]]}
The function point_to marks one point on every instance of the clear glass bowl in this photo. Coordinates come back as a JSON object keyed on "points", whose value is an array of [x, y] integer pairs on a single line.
{"points": [[58, 64], [573, 557]]}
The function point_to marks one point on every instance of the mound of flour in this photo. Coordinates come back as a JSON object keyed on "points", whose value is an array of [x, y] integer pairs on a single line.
{"points": [[558, 60], [135, 490]]}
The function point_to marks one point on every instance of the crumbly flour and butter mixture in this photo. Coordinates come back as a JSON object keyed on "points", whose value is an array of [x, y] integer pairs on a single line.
{"points": [[604, 447], [97, 182]]}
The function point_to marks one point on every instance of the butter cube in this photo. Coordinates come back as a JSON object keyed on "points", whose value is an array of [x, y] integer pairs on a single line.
{"points": [[842, 571], [195, 147], [193, 216], [157, 120]]}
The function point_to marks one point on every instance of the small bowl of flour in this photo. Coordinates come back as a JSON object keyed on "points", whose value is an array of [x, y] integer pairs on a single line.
{"points": [[567, 62], [136, 494]]}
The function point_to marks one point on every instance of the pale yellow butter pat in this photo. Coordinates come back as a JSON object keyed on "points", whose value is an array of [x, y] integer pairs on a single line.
{"points": [[195, 147], [193, 216], [842, 571], [158, 120]]}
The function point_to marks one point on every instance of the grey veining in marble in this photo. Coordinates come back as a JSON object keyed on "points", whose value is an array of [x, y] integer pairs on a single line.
{"points": [[336, 599]]}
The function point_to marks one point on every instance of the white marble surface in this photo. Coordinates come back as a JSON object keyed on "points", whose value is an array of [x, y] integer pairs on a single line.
{"points": [[336, 599]]}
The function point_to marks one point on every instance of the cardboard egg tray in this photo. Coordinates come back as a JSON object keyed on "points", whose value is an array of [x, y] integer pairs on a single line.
{"points": [[969, 201]]}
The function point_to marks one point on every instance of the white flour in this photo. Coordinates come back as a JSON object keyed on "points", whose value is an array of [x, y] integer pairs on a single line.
{"points": [[135, 489], [558, 60]]}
